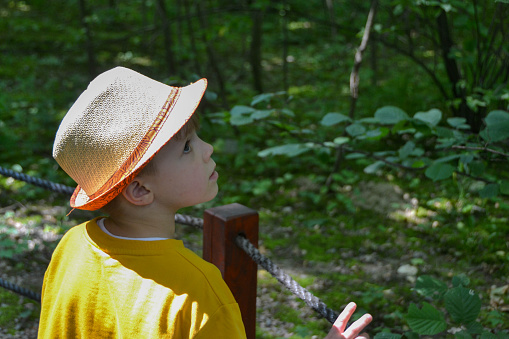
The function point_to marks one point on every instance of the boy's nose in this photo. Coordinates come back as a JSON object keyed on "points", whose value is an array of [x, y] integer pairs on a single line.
{"points": [[208, 150]]}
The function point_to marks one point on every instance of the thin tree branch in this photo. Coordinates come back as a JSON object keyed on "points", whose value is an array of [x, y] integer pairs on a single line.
{"points": [[382, 159], [478, 46], [354, 76], [394, 164], [354, 80], [481, 149], [412, 57]]}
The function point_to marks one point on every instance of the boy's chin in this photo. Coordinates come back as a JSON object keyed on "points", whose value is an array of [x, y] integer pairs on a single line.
{"points": [[213, 196]]}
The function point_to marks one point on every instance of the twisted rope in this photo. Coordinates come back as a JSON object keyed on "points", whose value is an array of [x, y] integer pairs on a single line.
{"points": [[68, 190], [20, 290], [189, 220], [51, 186], [287, 281]]}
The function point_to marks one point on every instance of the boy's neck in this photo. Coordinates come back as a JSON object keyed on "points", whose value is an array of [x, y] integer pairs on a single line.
{"points": [[149, 227]]}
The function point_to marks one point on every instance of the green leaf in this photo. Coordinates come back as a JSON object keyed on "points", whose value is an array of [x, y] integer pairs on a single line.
{"points": [[8, 254], [476, 168], [411, 335], [352, 156], [406, 150], [385, 335], [355, 129], [466, 159], [460, 280], [425, 321], [463, 304], [377, 133], [369, 120], [504, 187], [462, 335], [390, 115], [257, 115], [444, 132], [238, 120], [448, 158], [341, 140], [460, 123], [374, 167], [497, 126], [240, 115], [331, 119], [418, 164], [430, 287], [261, 97], [502, 335], [489, 191], [431, 117], [439, 171], [288, 112], [475, 328], [240, 110], [290, 150], [488, 335], [503, 1], [265, 97]]}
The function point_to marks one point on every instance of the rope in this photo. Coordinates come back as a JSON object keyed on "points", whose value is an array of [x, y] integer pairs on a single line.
{"points": [[20, 290], [68, 190], [189, 220], [287, 281], [51, 186]]}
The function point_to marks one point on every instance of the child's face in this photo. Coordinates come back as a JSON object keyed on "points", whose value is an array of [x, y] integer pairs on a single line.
{"points": [[186, 173]]}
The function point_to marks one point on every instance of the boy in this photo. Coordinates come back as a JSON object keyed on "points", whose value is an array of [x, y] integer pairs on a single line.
{"points": [[130, 143]]}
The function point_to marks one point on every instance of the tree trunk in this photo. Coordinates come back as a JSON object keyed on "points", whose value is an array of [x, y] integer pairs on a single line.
{"points": [[89, 45], [373, 58], [256, 50], [167, 38], [474, 119], [329, 5], [190, 31], [284, 24], [214, 65]]}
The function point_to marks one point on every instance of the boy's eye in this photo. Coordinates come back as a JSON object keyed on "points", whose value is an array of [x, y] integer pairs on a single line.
{"points": [[187, 147]]}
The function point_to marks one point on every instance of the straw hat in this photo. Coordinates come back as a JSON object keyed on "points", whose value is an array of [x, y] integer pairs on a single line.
{"points": [[115, 127]]}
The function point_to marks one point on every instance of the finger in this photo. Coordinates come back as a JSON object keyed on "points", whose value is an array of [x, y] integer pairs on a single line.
{"points": [[363, 336], [358, 326], [342, 319]]}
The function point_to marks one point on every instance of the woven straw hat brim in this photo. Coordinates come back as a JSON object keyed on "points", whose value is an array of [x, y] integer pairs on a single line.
{"points": [[184, 107]]}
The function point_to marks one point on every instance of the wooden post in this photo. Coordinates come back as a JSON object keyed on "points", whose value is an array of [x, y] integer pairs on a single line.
{"points": [[221, 225]]}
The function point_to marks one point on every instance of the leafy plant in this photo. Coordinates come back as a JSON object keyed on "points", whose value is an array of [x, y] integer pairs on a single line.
{"points": [[441, 149], [462, 305], [9, 247]]}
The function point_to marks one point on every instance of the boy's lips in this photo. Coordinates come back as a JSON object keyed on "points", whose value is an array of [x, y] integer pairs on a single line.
{"points": [[214, 175]]}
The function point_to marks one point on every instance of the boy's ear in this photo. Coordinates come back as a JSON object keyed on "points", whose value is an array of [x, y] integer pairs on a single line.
{"points": [[137, 194]]}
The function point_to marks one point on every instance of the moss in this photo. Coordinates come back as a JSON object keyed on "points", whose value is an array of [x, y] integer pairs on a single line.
{"points": [[12, 309]]}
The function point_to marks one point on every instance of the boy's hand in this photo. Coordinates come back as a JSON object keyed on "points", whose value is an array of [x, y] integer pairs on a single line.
{"points": [[339, 330]]}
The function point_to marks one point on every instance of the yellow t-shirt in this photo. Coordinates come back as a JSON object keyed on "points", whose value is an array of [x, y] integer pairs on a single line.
{"points": [[98, 286]]}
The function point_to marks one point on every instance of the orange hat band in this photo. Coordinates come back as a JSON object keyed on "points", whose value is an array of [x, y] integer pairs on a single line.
{"points": [[124, 175]]}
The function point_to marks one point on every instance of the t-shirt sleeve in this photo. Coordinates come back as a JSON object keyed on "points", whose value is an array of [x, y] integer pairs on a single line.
{"points": [[226, 322]]}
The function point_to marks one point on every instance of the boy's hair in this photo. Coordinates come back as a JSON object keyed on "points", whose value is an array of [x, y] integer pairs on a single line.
{"points": [[193, 124]]}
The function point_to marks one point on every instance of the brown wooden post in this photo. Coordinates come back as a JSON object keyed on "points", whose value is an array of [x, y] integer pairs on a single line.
{"points": [[221, 225]]}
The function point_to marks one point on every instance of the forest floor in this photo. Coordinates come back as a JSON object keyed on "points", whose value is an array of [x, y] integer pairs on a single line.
{"points": [[377, 267]]}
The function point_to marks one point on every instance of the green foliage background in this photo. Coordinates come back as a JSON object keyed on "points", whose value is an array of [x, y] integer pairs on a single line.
{"points": [[287, 143]]}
